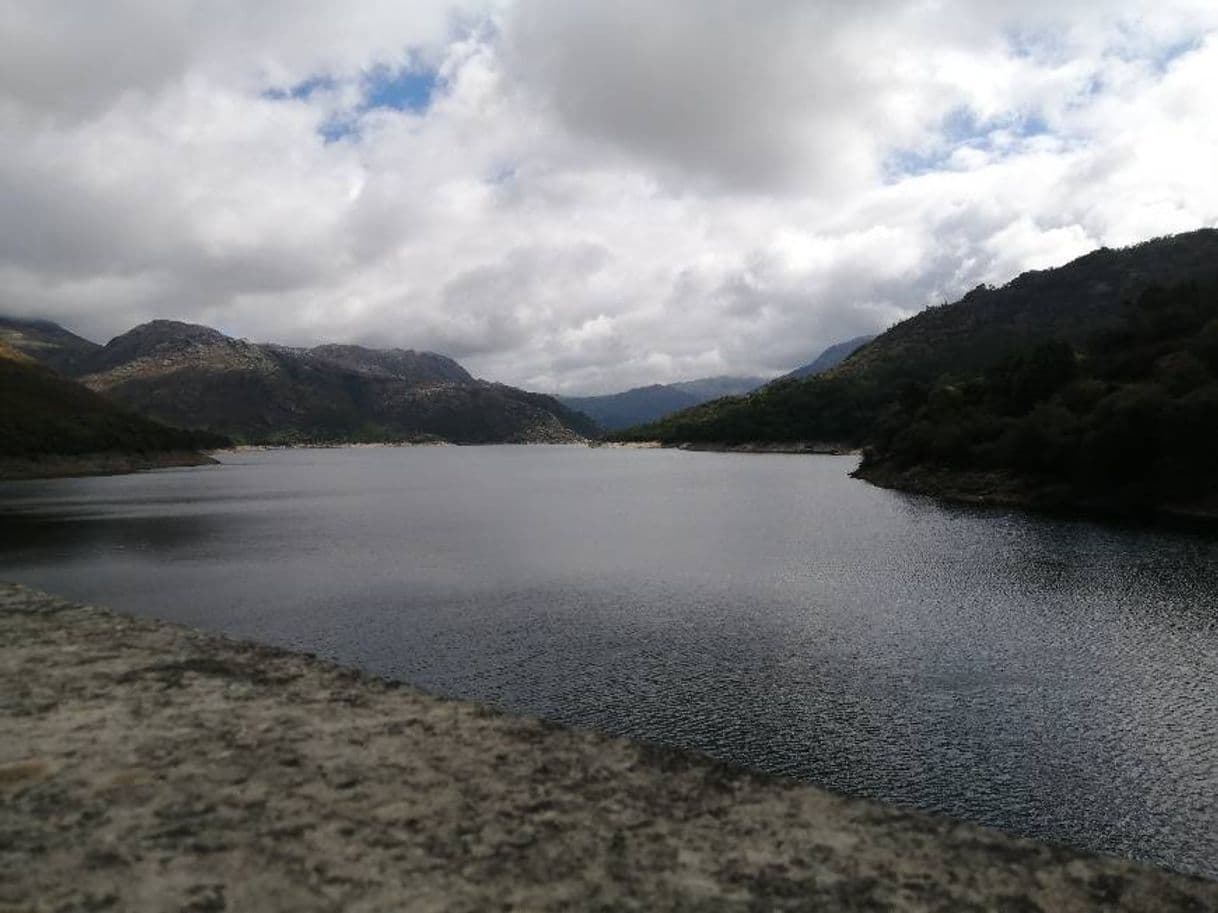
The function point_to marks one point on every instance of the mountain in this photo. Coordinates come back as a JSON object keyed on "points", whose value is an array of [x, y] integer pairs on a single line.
{"points": [[830, 358], [48, 343], [847, 403], [51, 425], [646, 404], [197, 377]]}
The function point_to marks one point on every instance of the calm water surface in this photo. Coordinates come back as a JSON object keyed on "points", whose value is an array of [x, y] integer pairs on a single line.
{"points": [[1056, 679]]}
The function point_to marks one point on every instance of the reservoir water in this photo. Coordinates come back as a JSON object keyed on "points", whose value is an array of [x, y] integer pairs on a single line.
{"points": [[1053, 678]]}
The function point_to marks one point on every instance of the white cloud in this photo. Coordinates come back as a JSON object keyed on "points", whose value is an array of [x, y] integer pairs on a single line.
{"points": [[597, 195]]}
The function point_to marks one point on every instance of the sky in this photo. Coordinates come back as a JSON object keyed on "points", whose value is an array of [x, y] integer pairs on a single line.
{"points": [[581, 197]]}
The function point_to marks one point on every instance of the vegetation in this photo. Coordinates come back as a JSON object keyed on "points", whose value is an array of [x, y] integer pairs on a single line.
{"points": [[848, 403], [1093, 383], [44, 414], [1131, 416]]}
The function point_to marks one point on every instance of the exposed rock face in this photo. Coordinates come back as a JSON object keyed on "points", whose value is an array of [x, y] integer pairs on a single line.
{"points": [[146, 767], [196, 377]]}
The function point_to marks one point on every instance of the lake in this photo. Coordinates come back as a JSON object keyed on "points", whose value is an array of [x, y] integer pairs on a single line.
{"points": [[1053, 678]]}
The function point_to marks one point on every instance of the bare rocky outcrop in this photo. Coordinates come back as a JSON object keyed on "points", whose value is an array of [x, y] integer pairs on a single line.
{"points": [[148, 767]]}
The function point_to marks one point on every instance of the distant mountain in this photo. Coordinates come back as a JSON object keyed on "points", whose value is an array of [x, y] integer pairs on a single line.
{"points": [[830, 358], [52, 425], [707, 388], [48, 343], [196, 377], [889, 377], [646, 404]]}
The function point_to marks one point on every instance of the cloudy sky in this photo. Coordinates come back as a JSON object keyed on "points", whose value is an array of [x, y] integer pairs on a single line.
{"points": [[584, 196]]}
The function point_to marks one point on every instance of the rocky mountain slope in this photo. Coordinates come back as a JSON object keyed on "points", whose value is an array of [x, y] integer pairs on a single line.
{"points": [[196, 377]]}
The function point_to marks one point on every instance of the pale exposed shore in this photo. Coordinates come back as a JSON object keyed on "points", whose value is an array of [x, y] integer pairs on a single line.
{"points": [[148, 767]]}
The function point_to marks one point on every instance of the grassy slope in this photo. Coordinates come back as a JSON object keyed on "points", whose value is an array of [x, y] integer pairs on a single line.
{"points": [[43, 414]]}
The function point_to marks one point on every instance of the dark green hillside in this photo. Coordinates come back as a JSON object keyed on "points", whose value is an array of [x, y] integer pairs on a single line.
{"points": [[1129, 418], [43, 414], [886, 377]]}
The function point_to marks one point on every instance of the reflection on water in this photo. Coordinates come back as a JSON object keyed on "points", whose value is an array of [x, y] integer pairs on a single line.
{"points": [[1056, 679]]}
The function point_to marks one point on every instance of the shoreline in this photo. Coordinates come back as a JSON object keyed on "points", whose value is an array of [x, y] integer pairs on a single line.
{"points": [[146, 766], [992, 491], [17, 469], [815, 448], [812, 448]]}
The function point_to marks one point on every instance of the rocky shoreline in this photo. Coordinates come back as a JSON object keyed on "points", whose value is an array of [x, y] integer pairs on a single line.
{"points": [[147, 767]]}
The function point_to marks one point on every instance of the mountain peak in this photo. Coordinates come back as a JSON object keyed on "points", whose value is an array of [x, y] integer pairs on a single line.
{"points": [[160, 329]]}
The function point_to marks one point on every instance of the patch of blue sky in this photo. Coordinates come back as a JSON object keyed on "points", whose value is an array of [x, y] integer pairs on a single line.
{"points": [[338, 128], [961, 129], [301, 90], [407, 89]]}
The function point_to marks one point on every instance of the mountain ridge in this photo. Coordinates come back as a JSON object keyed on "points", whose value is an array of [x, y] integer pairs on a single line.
{"points": [[196, 377]]}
